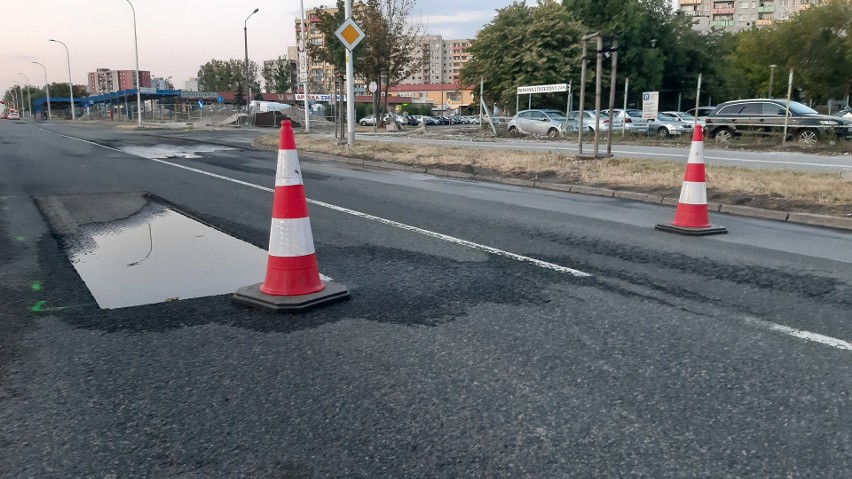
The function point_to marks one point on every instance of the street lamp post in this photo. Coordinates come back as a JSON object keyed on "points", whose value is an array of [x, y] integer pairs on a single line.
{"points": [[29, 94], [245, 38], [46, 90], [138, 85], [771, 77], [70, 81]]}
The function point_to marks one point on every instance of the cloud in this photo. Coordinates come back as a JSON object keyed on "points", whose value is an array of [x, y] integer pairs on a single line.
{"points": [[477, 16]]}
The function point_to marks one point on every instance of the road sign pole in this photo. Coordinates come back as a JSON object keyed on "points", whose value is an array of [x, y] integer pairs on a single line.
{"points": [[305, 79], [350, 88]]}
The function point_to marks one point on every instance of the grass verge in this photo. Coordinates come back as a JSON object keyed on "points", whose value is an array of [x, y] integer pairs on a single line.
{"points": [[783, 190]]}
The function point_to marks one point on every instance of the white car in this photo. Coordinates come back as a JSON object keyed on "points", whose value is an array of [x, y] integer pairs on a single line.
{"points": [[685, 117], [589, 119]]}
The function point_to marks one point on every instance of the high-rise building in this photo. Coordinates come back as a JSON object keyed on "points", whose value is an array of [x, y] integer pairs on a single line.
{"points": [[736, 15], [442, 61], [320, 74], [104, 80]]}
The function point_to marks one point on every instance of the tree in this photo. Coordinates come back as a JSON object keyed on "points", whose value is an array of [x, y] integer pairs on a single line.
{"points": [[276, 75], [392, 48], [219, 75], [332, 51], [816, 43], [525, 45]]}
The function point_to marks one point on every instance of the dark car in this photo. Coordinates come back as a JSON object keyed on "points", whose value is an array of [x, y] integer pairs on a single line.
{"points": [[766, 117]]}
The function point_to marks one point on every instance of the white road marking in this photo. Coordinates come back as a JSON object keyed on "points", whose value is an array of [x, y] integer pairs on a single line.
{"points": [[796, 333], [414, 229]]}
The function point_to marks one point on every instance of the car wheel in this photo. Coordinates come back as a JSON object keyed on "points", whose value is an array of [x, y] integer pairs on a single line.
{"points": [[552, 133], [662, 132], [513, 131], [808, 137], [723, 135], [363, 123]]}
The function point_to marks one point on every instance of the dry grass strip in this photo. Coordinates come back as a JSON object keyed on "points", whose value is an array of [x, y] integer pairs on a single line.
{"points": [[789, 190]]}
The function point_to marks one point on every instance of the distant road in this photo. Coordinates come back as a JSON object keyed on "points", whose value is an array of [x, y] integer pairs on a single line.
{"points": [[746, 159]]}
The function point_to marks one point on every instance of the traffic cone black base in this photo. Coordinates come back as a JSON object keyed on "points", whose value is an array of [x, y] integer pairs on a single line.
{"points": [[710, 230], [252, 296]]}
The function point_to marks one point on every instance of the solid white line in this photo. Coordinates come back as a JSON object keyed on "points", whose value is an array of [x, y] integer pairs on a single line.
{"points": [[433, 234], [806, 335], [796, 333]]}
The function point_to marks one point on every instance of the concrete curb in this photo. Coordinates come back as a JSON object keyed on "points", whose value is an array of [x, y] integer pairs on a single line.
{"points": [[836, 222]]}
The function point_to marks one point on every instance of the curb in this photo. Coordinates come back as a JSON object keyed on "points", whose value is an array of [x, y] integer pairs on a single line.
{"points": [[811, 219]]}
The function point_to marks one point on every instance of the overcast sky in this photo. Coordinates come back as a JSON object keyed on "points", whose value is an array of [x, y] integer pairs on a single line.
{"points": [[176, 36]]}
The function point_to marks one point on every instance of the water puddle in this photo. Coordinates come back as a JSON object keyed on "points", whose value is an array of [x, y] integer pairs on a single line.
{"points": [[172, 151], [131, 249]]}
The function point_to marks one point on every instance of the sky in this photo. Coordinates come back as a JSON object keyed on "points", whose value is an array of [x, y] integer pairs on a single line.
{"points": [[176, 37]]}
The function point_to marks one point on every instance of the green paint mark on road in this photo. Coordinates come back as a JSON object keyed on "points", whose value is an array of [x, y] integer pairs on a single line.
{"points": [[36, 286], [39, 307], [20, 238]]}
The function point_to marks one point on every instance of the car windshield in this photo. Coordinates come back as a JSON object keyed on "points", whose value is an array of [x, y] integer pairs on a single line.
{"points": [[800, 109], [686, 117], [664, 117]]}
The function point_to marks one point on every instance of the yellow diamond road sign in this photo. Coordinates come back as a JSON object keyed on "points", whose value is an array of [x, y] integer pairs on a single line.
{"points": [[350, 34]]}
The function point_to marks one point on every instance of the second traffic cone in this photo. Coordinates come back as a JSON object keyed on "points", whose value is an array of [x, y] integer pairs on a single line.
{"points": [[691, 216], [292, 281]]}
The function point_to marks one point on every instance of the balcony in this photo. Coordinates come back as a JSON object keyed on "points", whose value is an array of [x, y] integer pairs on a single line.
{"points": [[690, 2], [766, 9], [722, 23], [762, 22], [723, 11]]}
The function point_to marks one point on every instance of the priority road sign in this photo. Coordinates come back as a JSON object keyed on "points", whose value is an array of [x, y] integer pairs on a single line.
{"points": [[350, 34]]}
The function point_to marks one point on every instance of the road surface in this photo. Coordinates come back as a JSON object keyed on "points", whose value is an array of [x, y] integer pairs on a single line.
{"points": [[493, 331]]}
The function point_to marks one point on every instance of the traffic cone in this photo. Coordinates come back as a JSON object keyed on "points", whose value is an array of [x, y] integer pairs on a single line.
{"points": [[292, 281], [691, 217]]}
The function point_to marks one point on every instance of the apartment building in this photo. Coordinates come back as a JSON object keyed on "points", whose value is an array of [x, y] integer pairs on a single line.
{"points": [[104, 80], [320, 74], [442, 61], [736, 15]]}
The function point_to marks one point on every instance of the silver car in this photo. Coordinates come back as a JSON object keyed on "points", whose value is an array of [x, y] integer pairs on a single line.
{"points": [[589, 119], [550, 123], [685, 117], [665, 126], [629, 120]]}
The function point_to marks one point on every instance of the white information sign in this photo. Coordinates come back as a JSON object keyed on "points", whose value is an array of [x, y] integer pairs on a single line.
{"points": [[558, 87], [650, 104], [303, 66]]}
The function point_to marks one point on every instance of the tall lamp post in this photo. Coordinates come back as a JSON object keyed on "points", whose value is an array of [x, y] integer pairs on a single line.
{"points": [[245, 38], [771, 77], [70, 82], [138, 85], [29, 94], [46, 90]]}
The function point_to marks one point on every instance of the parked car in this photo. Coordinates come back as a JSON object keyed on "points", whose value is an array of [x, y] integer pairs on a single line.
{"points": [[767, 117], [629, 120], [589, 119], [685, 117], [550, 123], [664, 126], [701, 112], [844, 113], [369, 120]]}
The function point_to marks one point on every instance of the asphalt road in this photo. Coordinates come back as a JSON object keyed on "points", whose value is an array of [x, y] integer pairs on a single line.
{"points": [[493, 331]]}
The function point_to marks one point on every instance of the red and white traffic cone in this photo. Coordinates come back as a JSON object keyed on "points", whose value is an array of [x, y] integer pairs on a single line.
{"points": [[691, 216], [292, 280]]}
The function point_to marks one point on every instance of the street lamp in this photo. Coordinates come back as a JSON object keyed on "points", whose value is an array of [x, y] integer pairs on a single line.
{"points": [[245, 37], [771, 77], [29, 94], [70, 82], [138, 85], [46, 90]]}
